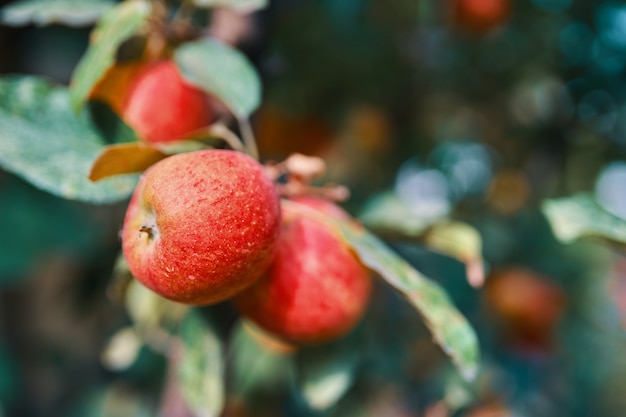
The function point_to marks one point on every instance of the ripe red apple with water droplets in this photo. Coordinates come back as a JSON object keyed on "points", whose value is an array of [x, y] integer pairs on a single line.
{"points": [[162, 107], [201, 226], [316, 289]]}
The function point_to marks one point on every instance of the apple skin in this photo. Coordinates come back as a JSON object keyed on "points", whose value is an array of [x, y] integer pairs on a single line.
{"points": [[162, 107], [480, 16], [201, 226], [316, 290]]}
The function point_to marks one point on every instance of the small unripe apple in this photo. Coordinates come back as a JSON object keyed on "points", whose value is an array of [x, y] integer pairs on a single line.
{"points": [[201, 226], [480, 16], [162, 107], [316, 290]]}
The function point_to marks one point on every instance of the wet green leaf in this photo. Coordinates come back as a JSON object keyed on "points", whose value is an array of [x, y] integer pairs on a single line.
{"points": [[116, 26], [222, 71], [46, 12], [201, 367], [45, 143], [242, 6], [581, 216]]}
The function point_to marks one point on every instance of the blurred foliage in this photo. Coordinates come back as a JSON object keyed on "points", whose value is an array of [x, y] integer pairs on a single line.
{"points": [[517, 134], [44, 142]]}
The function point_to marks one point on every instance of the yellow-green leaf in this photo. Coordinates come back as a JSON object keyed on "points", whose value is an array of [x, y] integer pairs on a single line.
{"points": [[581, 216], [124, 158]]}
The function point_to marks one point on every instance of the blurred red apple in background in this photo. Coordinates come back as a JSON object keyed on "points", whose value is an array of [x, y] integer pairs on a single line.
{"points": [[526, 305], [480, 16]]}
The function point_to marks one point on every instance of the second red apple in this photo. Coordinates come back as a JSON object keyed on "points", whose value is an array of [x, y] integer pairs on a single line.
{"points": [[316, 289], [162, 107]]}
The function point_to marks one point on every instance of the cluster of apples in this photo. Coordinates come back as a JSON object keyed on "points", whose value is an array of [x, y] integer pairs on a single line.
{"points": [[207, 226]]}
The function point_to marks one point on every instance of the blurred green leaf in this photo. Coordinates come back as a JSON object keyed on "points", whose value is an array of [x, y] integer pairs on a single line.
{"points": [[242, 6], [581, 216], [46, 12], [257, 369], [154, 317], [116, 26], [201, 367], [112, 400], [122, 350], [460, 241], [44, 142], [326, 372], [388, 213], [457, 239], [222, 71], [449, 328]]}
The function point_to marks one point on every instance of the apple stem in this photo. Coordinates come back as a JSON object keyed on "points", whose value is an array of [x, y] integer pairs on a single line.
{"points": [[146, 229], [248, 137]]}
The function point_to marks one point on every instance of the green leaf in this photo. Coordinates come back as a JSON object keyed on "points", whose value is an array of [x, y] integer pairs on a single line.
{"points": [[221, 71], [111, 400], [449, 328], [46, 12], [388, 213], [201, 369], [45, 143], [122, 350], [153, 316], [460, 241], [117, 25], [327, 372], [242, 6], [257, 369], [581, 216]]}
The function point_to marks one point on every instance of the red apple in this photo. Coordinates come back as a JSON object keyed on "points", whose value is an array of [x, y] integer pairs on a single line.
{"points": [[480, 16], [162, 107], [316, 289], [201, 226], [526, 305]]}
